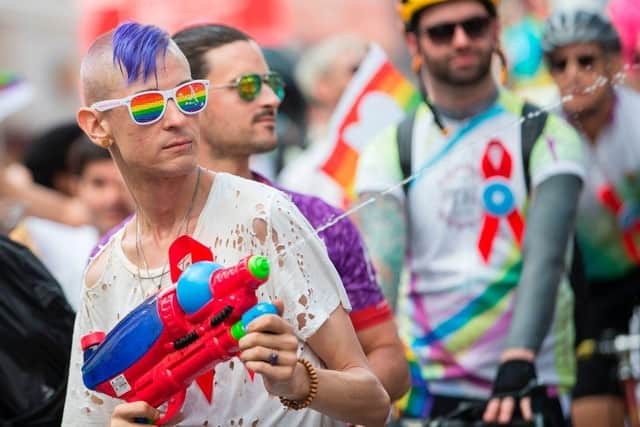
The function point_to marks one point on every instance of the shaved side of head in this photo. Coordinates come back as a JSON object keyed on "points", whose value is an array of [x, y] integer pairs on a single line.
{"points": [[97, 72]]}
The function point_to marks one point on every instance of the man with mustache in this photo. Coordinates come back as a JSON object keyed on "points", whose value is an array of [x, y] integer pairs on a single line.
{"points": [[239, 121], [490, 212], [582, 49]]}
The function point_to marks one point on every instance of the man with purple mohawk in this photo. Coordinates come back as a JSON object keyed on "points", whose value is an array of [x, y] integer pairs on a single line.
{"points": [[143, 105]]}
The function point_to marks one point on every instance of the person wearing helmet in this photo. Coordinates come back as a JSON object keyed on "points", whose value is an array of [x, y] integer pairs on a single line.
{"points": [[490, 211], [583, 53]]}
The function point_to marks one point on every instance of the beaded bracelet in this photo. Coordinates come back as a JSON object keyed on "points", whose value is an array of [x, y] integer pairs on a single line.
{"points": [[313, 388]]}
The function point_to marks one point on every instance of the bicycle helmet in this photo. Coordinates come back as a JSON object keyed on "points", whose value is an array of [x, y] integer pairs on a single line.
{"points": [[566, 27], [409, 9]]}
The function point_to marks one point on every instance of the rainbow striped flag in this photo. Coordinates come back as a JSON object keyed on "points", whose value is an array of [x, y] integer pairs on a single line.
{"points": [[15, 93], [378, 96]]}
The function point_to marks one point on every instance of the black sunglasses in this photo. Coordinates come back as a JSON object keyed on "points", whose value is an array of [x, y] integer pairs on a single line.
{"points": [[559, 65], [474, 27]]}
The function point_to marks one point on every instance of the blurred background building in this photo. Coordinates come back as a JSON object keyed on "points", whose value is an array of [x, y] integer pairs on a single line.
{"points": [[42, 40]]}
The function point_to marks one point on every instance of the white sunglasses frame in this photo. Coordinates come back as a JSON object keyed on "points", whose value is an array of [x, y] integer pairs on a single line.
{"points": [[109, 104]]}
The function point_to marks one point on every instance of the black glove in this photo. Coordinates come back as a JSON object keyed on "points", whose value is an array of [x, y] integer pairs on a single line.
{"points": [[513, 377]]}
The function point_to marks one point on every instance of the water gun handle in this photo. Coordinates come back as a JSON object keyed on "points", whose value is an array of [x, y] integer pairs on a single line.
{"points": [[173, 406]]}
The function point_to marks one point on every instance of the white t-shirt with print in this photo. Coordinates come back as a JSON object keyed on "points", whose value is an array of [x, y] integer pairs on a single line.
{"points": [[456, 310]]}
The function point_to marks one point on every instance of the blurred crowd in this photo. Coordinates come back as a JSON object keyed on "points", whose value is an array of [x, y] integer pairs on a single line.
{"points": [[60, 192]]}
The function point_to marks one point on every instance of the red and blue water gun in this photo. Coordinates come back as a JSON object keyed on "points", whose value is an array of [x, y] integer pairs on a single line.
{"points": [[173, 337]]}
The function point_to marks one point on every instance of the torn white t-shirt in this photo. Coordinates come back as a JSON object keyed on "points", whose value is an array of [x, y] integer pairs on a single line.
{"points": [[301, 275]]}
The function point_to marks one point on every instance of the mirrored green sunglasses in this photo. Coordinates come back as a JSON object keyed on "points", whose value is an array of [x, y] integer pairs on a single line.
{"points": [[249, 86]]}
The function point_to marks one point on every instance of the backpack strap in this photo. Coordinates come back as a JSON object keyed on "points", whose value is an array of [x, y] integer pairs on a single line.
{"points": [[404, 138], [530, 131]]}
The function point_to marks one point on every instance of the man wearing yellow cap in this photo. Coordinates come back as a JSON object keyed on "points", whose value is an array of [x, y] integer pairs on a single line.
{"points": [[486, 222]]}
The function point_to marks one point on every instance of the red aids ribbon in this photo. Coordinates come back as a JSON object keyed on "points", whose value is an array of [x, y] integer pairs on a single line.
{"points": [[627, 218], [498, 198]]}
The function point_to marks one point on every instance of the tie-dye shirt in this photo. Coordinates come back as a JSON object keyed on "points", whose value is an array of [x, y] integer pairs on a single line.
{"points": [[609, 216], [465, 264]]}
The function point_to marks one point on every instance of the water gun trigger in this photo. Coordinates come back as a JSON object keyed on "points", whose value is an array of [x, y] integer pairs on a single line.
{"points": [[173, 406]]}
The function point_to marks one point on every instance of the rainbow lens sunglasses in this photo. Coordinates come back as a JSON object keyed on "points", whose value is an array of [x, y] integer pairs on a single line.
{"points": [[249, 86], [148, 107]]}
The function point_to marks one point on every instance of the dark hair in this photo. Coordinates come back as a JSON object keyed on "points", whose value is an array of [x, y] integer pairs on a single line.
{"points": [[195, 41], [46, 156], [82, 153], [136, 48], [412, 25]]}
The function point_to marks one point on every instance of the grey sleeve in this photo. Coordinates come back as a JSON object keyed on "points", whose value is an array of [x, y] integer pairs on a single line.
{"points": [[550, 226]]}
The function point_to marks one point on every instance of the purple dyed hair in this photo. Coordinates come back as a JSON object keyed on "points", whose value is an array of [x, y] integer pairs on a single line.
{"points": [[625, 15], [136, 48]]}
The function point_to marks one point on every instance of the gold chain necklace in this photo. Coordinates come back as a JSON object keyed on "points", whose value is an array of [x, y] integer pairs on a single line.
{"points": [[140, 251]]}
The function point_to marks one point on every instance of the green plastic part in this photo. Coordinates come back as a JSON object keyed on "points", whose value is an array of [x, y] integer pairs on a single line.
{"points": [[259, 267], [237, 330]]}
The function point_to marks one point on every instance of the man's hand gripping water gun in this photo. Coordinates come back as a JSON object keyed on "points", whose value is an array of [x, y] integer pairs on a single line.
{"points": [[173, 337]]}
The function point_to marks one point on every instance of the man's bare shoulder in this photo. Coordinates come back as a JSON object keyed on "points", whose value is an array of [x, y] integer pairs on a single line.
{"points": [[98, 263], [95, 269]]}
